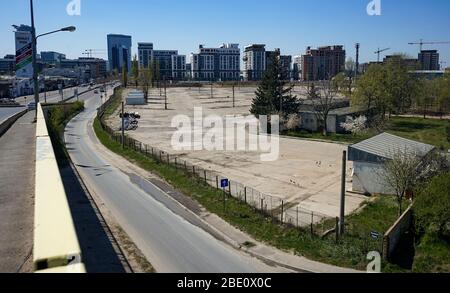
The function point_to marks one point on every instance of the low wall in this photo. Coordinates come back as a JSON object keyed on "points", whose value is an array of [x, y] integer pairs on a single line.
{"points": [[394, 234], [6, 124], [56, 246]]}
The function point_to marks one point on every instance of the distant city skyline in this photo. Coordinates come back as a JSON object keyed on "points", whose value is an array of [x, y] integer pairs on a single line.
{"points": [[291, 25]]}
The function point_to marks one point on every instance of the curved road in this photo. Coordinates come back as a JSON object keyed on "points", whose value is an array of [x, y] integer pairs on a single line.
{"points": [[171, 238]]}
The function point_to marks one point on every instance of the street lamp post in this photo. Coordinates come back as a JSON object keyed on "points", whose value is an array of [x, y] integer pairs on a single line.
{"points": [[34, 48]]}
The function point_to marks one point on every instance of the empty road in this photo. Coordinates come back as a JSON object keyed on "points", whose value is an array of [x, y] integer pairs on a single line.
{"points": [[171, 238]]}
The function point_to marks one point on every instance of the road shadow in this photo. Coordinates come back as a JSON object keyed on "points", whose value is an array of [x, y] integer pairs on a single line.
{"points": [[99, 254]]}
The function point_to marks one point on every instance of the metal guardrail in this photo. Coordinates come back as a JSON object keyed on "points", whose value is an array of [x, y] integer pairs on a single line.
{"points": [[56, 247]]}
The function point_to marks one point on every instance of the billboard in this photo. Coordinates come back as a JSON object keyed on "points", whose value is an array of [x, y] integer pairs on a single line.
{"points": [[24, 54]]}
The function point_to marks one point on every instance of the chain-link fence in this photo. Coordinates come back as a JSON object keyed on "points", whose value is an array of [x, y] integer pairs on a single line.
{"points": [[276, 208]]}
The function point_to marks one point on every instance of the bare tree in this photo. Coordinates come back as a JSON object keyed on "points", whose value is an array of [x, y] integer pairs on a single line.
{"points": [[324, 103]]}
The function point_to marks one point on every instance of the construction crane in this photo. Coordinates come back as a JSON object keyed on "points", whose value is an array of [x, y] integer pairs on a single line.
{"points": [[379, 52], [421, 43], [91, 52]]}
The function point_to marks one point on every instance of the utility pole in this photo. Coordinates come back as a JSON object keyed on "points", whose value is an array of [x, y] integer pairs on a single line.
{"points": [[234, 99], [123, 125], [165, 94], [212, 94], [358, 46], [342, 215], [34, 48]]}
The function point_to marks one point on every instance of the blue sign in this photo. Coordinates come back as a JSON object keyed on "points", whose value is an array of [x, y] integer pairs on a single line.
{"points": [[224, 183]]}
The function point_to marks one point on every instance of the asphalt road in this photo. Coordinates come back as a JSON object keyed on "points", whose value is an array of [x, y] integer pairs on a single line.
{"points": [[7, 112], [52, 97], [171, 238]]}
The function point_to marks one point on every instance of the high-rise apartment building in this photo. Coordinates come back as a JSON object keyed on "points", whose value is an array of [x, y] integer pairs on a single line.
{"points": [[429, 60], [257, 60], [297, 68], [323, 63], [179, 67], [119, 52], [254, 62], [145, 54], [212, 64]]}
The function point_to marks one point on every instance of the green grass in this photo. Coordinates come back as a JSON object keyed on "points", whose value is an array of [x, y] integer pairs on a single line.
{"points": [[58, 117], [430, 131], [432, 255]]}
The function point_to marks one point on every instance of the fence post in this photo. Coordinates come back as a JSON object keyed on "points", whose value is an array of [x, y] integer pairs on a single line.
{"points": [[176, 164], [206, 180], [245, 194], [312, 223], [160, 156], [282, 210], [262, 206], [297, 217], [337, 229], [229, 188], [140, 147], [217, 182], [146, 150]]}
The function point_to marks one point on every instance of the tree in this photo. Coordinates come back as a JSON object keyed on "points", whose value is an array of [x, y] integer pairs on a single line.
{"points": [[427, 95], [355, 125], [401, 87], [432, 206], [324, 103], [124, 76], [344, 84], [146, 79], [273, 96], [406, 170], [370, 90], [443, 95], [135, 70]]}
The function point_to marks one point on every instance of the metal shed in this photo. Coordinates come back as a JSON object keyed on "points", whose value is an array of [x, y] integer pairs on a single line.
{"points": [[369, 155]]}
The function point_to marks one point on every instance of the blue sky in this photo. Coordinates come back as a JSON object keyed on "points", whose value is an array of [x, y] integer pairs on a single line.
{"points": [[291, 25]]}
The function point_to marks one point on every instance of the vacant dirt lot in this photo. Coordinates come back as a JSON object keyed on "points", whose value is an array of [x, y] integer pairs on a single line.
{"points": [[307, 173]]}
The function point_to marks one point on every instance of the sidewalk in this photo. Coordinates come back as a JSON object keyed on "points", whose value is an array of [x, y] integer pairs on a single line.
{"points": [[228, 233], [17, 172]]}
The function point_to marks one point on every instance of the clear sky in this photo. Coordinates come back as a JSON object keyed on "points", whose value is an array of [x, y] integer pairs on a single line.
{"points": [[291, 25]]}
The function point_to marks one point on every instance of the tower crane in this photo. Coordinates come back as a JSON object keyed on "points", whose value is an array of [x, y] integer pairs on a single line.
{"points": [[91, 52], [379, 52], [421, 43]]}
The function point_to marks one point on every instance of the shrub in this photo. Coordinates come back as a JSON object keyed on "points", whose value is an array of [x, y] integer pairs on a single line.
{"points": [[432, 206]]}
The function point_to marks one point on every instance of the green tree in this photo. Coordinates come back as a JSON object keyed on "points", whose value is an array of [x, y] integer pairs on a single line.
{"points": [[124, 76], [344, 84], [427, 95], [135, 70], [432, 206], [443, 95], [146, 79], [273, 96], [370, 90], [401, 87]]}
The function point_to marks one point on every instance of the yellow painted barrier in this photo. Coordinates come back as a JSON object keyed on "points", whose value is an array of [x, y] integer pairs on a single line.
{"points": [[72, 269], [55, 240]]}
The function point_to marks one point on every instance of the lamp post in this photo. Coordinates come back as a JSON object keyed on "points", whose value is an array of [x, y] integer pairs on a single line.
{"points": [[34, 48]]}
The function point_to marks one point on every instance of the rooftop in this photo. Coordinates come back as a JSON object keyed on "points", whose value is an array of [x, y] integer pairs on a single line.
{"points": [[385, 145]]}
